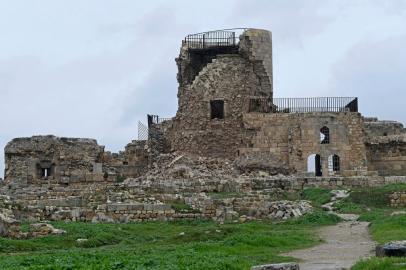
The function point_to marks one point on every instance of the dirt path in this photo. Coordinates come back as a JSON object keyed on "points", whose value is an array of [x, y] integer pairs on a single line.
{"points": [[345, 244]]}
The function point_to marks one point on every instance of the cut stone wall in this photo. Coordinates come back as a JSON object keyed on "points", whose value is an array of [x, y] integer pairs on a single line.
{"points": [[289, 139], [385, 147]]}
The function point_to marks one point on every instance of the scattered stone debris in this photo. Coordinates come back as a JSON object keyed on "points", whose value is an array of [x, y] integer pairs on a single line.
{"points": [[392, 249], [279, 266], [398, 213], [337, 195], [398, 199], [81, 240], [43, 229], [289, 209], [11, 228]]}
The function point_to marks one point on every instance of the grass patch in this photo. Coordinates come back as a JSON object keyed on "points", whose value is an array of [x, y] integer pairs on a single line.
{"points": [[318, 196], [381, 264], [163, 245], [316, 218], [180, 206]]}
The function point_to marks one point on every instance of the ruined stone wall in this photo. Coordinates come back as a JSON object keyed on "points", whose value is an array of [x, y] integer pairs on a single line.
{"points": [[64, 159], [159, 139], [375, 128], [289, 139], [232, 78], [386, 146], [43, 159], [387, 155], [398, 199]]}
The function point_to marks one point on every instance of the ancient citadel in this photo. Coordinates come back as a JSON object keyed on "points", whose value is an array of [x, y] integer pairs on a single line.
{"points": [[229, 136]]}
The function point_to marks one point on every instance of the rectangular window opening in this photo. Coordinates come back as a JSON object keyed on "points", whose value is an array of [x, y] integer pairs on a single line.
{"points": [[217, 109]]}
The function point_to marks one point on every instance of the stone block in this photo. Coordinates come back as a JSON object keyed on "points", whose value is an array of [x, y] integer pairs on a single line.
{"points": [[279, 266]]}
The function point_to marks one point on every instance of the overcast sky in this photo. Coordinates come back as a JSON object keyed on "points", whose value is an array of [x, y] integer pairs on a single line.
{"points": [[94, 68]]}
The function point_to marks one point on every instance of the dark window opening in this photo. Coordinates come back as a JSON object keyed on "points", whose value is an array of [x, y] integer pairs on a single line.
{"points": [[324, 135], [45, 169], [46, 172], [336, 163], [217, 109]]}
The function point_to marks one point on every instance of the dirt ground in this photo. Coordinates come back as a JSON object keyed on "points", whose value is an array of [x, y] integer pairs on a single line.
{"points": [[345, 244]]}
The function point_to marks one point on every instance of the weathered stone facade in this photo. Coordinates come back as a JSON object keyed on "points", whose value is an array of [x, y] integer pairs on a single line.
{"points": [[289, 139], [50, 159]]}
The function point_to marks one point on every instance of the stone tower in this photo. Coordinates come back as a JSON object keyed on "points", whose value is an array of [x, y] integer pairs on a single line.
{"points": [[221, 75]]}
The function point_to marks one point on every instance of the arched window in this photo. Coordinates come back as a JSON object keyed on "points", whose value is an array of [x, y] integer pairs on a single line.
{"points": [[324, 135], [314, 165], [334, 163]]}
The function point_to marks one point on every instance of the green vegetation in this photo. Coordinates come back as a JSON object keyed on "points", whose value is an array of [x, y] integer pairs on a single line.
{"points": [[163, 245], [180, 206], [120, 178], [205, 244], [372, 204], [318, 196], [381, 264]]}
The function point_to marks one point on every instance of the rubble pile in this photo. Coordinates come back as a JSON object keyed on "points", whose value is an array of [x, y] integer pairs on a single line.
{"points": [[289, 209]]}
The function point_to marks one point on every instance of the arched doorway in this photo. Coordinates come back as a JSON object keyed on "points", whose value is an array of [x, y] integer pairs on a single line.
{"points": [[314, 165], [334, 164]]}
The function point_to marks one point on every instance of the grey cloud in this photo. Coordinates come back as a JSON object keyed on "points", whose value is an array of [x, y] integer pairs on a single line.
{"points": [[94, 70], [374, 71]]}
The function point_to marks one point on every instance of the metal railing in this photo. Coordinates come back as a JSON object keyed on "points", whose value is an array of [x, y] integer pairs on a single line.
{"points": [[155, 119], [318, 104], [217, 38], [260, 104]]}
